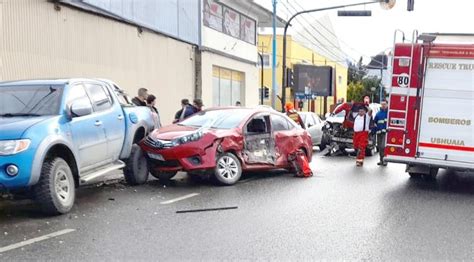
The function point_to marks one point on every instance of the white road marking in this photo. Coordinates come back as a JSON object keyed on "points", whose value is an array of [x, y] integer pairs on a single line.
{"points": [[34, 240], [179, 199]]}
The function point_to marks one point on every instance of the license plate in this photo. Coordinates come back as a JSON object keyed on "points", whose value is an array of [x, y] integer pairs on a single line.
{"points": [[156, 156]]}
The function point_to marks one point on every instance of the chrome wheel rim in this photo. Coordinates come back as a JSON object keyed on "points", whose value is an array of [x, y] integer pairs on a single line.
{"points": [[227, 168], [63, 186]]}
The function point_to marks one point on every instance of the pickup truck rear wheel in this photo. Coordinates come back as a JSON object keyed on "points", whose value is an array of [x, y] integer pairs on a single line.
{"points": [[136, 169], [55, 190]]}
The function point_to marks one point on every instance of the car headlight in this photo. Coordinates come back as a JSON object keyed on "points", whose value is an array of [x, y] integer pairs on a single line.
{"points": [[11, 147], [187, 139]]}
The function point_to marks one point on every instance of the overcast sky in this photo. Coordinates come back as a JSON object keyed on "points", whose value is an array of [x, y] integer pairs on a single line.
{"points": [[367, 36]]}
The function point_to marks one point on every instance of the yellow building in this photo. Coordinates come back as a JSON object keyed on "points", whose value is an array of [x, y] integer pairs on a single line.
{"points": [[299, 54]]}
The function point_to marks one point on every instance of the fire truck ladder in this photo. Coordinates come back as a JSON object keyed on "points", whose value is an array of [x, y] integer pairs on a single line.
{"points": [[402, 125]]}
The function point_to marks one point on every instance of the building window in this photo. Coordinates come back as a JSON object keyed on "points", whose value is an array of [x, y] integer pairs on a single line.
{"points": [[231, 22], [213, 15], [228, 21], [228, 86], [266, 61], [247, 29]]}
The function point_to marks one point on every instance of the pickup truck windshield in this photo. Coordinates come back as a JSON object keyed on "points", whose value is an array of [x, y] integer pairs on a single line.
{"points": [[37, 100], [218, 119]]}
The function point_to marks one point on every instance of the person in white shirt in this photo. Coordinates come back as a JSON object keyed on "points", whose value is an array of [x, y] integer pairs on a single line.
{"points": [[361, 134]]}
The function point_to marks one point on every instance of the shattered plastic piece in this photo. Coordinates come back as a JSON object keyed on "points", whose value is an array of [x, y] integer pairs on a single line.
{"points": [[300, 164]]}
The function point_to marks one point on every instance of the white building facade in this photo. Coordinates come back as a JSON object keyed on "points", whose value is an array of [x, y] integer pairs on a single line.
{"points": [[229, 53]]}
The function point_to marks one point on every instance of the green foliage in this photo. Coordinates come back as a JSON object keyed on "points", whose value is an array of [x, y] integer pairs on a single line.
{"points": [[355, 91]]}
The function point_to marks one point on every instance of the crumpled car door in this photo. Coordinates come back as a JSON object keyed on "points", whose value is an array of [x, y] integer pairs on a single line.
{"points": [[259, 145]]}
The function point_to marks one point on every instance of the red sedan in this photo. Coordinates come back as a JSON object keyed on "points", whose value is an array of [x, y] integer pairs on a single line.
{"points": [[224, 142]]}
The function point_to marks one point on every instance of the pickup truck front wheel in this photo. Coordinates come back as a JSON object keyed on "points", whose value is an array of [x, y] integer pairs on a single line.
{"points": [[55, 191], [136, 169], [163, 176]]}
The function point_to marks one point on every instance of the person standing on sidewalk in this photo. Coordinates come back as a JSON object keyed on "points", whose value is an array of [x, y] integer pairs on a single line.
{"points": [[381, 131], [361, 134]]}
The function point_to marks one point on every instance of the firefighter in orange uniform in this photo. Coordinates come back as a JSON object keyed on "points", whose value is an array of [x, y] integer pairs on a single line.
{"points": [[293, 114]]}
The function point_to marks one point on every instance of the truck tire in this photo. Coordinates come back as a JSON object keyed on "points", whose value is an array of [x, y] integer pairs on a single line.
{"points": [[415, 175], [163, 176], [228, 169], [432, 175], [136, 169], [55, 191]]}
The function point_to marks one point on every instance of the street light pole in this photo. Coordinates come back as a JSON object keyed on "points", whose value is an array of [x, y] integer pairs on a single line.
{"points": [[262, 92], [274, 55], [283, 84]]}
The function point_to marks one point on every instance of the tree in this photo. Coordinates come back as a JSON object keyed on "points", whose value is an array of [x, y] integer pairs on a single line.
{"points": [[356, 72], [355, 91]]}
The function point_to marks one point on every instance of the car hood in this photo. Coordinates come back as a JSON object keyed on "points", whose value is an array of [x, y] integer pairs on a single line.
{"points": [[14, 127], [171, 132], [333, 119]]}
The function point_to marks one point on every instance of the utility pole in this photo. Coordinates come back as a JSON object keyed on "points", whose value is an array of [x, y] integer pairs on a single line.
{"points": [[262, 91], [274, 56]]}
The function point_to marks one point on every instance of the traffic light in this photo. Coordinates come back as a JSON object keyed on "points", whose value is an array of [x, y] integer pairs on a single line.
{"points": [[411, 5], [266, 92], [290, 82]]}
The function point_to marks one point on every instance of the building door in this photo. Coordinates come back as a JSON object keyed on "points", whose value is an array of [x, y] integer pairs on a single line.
{"points": [[228, 86]]}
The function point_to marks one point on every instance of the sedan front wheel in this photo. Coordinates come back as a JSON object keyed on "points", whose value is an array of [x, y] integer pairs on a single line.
{"points": [[228, 169]]}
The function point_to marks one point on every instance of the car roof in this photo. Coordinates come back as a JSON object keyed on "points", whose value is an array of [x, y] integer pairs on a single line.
{"points": [[51, 81], [250, 109]]}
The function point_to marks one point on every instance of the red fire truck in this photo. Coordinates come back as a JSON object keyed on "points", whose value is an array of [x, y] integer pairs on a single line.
{"points": [[431, 105]]}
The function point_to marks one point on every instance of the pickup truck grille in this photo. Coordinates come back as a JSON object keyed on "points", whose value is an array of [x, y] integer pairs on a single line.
{"points": [[160, 144]]}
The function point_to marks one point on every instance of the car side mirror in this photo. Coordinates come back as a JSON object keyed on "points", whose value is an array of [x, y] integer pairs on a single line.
{"points": [[81, 108], [327, 115]]}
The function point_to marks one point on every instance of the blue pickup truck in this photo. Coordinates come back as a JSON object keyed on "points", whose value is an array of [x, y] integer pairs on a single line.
{"points": [[56, 135]]}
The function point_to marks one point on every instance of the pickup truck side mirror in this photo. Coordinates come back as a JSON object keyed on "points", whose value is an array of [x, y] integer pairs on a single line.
{"points": [[327, 115], [80, 108]]}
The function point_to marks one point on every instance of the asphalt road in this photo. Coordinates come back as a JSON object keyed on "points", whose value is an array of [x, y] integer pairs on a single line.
{"points": [[343, 212]]}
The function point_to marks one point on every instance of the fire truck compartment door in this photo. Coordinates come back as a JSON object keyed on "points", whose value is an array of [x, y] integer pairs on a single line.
{"points": [[447, 115]]}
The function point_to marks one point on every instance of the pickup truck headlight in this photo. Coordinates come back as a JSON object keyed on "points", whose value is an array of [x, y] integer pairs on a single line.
{"points": [[11, 147], [187, 139]]}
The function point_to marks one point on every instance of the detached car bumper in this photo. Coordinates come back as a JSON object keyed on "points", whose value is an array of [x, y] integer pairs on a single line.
{"points": [[194, 156]]}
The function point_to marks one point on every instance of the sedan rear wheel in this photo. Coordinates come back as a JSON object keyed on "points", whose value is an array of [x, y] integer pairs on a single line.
{"points": [[228, 169]]}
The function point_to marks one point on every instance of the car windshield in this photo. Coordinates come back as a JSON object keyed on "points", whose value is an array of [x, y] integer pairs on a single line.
{"points": [[219, 119], [37, 100]]}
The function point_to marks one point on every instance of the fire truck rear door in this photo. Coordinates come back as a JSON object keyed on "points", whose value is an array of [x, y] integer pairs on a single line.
{"points": [[447, 115]]}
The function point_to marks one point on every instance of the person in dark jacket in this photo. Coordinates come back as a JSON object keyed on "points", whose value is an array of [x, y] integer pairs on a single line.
{"points": [[140, 100], [381, 130], [186, 111]]}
